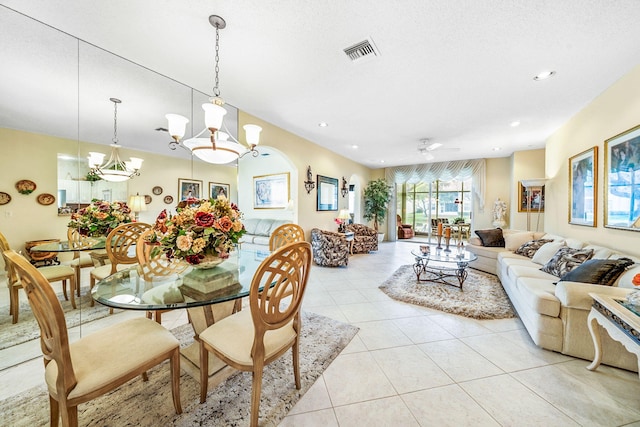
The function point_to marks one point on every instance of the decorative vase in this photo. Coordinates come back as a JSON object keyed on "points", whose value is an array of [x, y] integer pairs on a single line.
{"points": [[209, 261]]}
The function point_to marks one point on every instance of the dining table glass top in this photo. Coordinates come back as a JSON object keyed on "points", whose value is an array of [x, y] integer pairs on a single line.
{"points": [[87, 244], [128, 289]]}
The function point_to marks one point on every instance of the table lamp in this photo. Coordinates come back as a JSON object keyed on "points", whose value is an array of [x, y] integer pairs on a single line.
{"points": [[137, 204]]}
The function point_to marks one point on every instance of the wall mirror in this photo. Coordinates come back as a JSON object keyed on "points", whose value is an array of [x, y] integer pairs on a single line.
{"points": [[327, 193]]}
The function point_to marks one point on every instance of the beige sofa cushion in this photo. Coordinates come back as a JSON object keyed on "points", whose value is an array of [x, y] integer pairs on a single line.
{"points": [[539, 295]]}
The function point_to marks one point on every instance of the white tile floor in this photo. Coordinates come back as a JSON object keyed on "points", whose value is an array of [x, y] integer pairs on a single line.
{"points": [[412, 366]]}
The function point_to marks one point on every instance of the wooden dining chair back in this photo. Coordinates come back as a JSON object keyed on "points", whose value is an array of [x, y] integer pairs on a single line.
{"points": [[81, 259], [284, 234], [156, 264], [121, 250], [53, 273], [96, 363], [251, 339]]}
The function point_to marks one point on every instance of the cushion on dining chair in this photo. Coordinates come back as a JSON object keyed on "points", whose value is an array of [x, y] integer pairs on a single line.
{"points": [[105, 270], [234, 336], [111, 352], [54, 273], [84, 260]]}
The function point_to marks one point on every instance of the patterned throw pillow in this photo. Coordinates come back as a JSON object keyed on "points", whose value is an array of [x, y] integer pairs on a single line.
{"points": [[530, 248], [565, 260], [598, 271], [491, 238]]}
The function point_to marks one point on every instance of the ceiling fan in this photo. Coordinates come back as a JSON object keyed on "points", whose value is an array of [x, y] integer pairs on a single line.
{"points": [[426, 147]]}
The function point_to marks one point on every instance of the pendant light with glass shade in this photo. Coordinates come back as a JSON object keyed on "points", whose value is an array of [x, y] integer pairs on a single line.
{"points": [[114, 170], [217, 148]]}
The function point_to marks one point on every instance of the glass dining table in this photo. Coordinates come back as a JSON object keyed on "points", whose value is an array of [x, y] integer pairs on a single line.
{"points": [[209, 295], [87, 244]]}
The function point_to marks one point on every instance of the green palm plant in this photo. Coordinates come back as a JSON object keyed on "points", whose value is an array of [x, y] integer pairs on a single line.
{"points": [[377, 195]]}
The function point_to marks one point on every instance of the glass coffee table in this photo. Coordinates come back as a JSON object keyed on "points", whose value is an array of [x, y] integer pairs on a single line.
{"points": [[440, 266]]}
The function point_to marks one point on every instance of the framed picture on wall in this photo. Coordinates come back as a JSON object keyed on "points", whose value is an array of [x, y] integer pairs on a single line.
{"points": [[327, 193], [583, 188], [216, 189], [622, 180], [271, 191], [189, 188], [535, 195]]}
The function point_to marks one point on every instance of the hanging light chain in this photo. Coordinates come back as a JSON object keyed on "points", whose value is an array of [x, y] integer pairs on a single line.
{"points": [[216, 89], [115, 123]]}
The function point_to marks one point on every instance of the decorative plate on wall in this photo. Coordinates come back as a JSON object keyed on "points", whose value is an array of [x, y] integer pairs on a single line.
{"points": [[24, 186], [147, 199], [168, 199], [4, 198], [46, 199], [157, 190]]}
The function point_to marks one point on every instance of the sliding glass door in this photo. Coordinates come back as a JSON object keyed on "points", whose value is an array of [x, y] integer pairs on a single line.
{"points": [[420, 204]]}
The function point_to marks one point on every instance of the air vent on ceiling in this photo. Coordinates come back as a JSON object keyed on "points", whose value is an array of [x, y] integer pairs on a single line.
{"points": [[366, 49]]}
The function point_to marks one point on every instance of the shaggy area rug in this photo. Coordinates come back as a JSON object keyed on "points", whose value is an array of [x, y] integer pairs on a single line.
{"points": [[482, 296], [27, 327], [149, 404]]}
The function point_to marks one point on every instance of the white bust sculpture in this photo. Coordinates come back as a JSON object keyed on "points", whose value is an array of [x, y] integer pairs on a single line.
{"points": [[499, 212]]}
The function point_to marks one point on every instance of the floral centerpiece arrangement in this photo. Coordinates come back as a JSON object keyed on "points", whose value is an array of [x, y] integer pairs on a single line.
{"points": [[100, 217], [202, 232]]}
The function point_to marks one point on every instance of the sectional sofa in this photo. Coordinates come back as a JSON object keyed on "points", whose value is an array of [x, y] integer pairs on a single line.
{"points": [[555, 311], [259, 230]]}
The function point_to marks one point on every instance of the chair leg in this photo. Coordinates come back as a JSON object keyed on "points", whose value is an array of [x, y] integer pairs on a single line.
{"points": [[295, 349], [72, 291], [71, 415], [175, 380], [54, 412], [14, 303], [64, 289], [204, 372], [92, 283], [76, 270], [256, 389]]}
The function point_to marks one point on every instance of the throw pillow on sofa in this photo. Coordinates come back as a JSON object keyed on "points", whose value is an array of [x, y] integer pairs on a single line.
{"points": [[598, 271], [513, 241], [491, 238], [547, 251], [530, 248], [565, 260]]}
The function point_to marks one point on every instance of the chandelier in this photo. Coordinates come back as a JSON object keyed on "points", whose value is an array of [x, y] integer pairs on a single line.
{"points": [[216, 148], [114, 170]]}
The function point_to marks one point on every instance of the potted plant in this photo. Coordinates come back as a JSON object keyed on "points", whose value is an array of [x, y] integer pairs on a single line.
{"points": [[377, 195]]}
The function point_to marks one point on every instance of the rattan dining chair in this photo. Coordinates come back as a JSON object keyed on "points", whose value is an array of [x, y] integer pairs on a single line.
{"points": [[53, 273], [120, 249], [251, 339], [156, 265], [96, 363], [286, 233]]}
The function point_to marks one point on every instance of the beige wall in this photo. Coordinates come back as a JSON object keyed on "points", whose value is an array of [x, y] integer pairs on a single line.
{"points": [[614, 111], [528, 164], [302, 153], [498, 175]]}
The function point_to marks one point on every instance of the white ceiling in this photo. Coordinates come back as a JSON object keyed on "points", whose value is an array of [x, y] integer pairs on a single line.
{"points": [[458, 72]]}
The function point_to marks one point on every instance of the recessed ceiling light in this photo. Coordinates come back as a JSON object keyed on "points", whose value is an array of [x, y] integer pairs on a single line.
{"points": [[323, 124], [355, 147], [381, 161], [544, 75], [515, 124], [497, 148]]}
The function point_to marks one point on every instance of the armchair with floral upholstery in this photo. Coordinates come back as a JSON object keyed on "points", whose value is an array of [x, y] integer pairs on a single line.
{"points": [[365, 238], [405, 231], [329, 249]]}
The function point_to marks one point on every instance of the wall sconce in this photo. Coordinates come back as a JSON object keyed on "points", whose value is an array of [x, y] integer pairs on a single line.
{"points": [[344, 188], [309, 184]]}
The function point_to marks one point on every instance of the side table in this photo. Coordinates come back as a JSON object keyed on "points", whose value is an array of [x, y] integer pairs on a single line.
{"points": [[349, 236], [622, 325]]}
